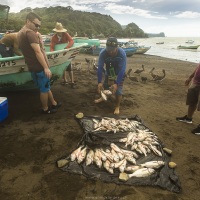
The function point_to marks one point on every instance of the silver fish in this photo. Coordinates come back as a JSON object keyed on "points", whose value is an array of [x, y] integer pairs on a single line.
{"points": [[90, 157], [75, 153], [81, 155], [143, 172], [153, 164]]}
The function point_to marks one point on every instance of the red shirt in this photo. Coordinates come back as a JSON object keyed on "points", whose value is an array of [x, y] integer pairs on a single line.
{"points": [[196, 78], [66, 38]]}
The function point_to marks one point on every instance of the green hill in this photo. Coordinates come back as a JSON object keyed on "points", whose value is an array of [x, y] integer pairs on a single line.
{"points": [[90, 24]]}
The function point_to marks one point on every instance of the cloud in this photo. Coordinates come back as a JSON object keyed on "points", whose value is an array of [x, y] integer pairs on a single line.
{"points": [[121, 9], [188, 15]]}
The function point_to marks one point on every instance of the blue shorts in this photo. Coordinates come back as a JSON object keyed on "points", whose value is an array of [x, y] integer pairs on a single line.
{"points": [[42, 82], [108, 83]]}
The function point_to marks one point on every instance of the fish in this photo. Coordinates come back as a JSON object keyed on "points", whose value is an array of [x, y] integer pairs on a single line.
{"points": [[155, 150], [132, 168], [143, 172], [106, 165], [97, 158], [117, 165], [153, 164], [104, 97], [131, 159], [115, 155], [90, 157], [75, 153], [107, 92], [122, 166], [141, 148], [81, 155], [116, 148]]}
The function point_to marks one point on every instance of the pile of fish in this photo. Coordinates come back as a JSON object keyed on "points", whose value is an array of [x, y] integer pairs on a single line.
{"points": [[113, 158], [142, 142], [115, 125]]}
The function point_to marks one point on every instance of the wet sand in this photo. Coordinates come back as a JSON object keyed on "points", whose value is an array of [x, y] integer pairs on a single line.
{"points": [[31, 142]]}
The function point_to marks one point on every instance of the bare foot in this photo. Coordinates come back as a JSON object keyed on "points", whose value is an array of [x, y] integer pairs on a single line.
{"points": [[116, 112], [98, 100]]}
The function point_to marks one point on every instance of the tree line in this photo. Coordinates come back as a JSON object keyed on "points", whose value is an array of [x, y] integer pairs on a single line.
{"points": [[82, 24]]}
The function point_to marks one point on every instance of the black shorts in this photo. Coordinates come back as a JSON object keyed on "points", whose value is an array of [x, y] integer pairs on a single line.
{"points": [[193, 95], [69, 68]]}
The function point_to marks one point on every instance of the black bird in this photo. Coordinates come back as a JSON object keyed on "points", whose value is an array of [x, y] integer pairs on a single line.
{"points": [[139, 71], [144, 79], [160, 78], [152, 74], [133, 78], [128, 73]]}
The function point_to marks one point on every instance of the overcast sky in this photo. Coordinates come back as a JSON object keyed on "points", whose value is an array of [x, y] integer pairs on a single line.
{"points": [[176, 18]]}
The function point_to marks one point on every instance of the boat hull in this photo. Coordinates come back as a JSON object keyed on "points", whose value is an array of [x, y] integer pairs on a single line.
{"points": [[14, 74], [142, 50], [188, 47], [95, 51]]}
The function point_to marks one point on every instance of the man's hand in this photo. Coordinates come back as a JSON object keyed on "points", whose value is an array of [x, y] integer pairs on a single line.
{"points": [[114, 88], [47, 73], [65, 52], [100, 87], [187, 82]]}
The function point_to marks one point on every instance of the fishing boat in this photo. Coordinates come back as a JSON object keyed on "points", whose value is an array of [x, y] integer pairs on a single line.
{"points": [[96, 50], [188, 47], [14, 74], [142, 49], [189, 41], [159, 42], [90, 43]]}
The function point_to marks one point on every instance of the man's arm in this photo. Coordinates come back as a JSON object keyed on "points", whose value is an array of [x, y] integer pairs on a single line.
{"points": [[70, 41], [41, 58]]}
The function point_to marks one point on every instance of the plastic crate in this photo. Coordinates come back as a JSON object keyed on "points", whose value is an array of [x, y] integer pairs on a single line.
{"points": [[3, 108]]}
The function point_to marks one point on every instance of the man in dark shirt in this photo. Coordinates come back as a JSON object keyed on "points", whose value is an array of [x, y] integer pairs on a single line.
{"points": [[37, 61]]}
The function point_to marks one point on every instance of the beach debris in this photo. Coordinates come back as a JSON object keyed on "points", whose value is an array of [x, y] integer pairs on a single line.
{"points": [[172, 165], [80, 115], [62, 162], [169, 151]]}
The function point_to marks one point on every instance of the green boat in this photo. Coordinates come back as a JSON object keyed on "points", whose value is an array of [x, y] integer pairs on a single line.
{"points": [[14, 74], [92, 43], [188, 47]]}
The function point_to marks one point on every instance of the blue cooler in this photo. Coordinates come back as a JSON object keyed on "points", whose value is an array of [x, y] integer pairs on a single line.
{"points": [[3, 108]]}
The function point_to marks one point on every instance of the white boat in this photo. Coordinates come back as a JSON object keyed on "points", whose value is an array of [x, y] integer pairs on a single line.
{"points": [[189, 41]]}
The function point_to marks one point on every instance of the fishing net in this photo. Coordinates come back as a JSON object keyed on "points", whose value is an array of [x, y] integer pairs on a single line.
{"points": [[95, 137]]}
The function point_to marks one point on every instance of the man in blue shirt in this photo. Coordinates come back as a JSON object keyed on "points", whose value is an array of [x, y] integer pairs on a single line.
{"points": [[114, 59]]}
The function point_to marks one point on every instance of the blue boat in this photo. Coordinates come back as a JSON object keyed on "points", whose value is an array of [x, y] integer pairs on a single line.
{"points": [[96, 50]]}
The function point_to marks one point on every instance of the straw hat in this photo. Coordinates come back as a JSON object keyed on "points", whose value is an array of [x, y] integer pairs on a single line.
{"points": [[59, 28]]}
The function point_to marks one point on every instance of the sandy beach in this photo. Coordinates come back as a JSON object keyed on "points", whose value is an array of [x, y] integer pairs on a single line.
{"points": [[31, 142]]}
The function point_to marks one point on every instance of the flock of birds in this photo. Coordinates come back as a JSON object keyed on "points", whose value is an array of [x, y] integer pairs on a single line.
{"points": [[155, 77], [92, 69]]}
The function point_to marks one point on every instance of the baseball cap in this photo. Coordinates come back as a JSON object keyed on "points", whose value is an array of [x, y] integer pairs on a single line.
{"points": [[111, 43]]}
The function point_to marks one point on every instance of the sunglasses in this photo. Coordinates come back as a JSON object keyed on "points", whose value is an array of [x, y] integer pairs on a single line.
{"points": [[36, 25], [112, 44]]}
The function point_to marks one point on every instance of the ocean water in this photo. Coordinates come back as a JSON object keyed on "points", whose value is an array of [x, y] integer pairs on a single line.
{"points": [[169, 48]]}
